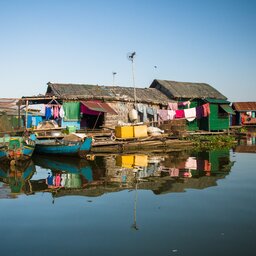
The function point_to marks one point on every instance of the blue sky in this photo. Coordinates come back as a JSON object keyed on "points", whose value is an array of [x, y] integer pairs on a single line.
{"points": [[82, 41]]}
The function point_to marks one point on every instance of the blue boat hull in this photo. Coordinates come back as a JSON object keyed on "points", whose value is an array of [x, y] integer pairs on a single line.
{"points": [[65, 148]]}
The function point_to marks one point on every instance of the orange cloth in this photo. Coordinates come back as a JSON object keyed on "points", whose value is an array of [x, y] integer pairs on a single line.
{"points": [[206, 108]]}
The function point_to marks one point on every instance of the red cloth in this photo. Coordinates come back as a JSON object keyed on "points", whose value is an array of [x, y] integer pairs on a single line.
{"points": [[206, 108], [179, 113]]}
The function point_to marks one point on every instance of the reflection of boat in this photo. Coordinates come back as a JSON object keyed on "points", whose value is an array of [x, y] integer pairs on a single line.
{"points": [[64, 146], [73, 167], [17, 176], [16, 148]]}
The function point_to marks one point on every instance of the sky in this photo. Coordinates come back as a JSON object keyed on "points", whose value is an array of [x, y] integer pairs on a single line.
{"points": [[85, 41]]}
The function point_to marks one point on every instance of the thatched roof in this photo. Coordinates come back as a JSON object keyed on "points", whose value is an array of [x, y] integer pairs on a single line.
{"points": [[176, 90], [244, 106], [85, 91]]}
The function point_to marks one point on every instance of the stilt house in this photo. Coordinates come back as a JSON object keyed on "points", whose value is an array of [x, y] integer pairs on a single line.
{"points": [[197, 95], [245, 113], [95, 107]]}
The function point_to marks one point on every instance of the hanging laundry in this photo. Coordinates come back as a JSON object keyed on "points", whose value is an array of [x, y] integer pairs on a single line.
{"points": [[55, 112], [150, 111], [139, 107], [163, 114], [206, 108], [191, 163], [145, 116], [58, 180], [185, 103], [174, 172], [190, 114], [171, 114], [179, 113], [207, 166], [155, 114], [63, 179], [48, 112], [50, 179], [61, 112], [173, 105], [199, 112], [72, 111]]}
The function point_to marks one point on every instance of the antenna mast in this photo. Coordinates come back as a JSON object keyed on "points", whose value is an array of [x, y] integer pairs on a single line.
{"points": [[131, 58], [113, 73]]}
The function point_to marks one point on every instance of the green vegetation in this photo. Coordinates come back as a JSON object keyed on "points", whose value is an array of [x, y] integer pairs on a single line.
{"points": [[243, 130], [206, 142]]}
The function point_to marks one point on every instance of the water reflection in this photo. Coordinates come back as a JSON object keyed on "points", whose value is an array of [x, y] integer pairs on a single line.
{"points": [[17, 177], [247, 143], [161, 173]]}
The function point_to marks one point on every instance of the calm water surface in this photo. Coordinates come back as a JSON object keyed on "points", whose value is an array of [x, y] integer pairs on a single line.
{"points": [[180, 203]]}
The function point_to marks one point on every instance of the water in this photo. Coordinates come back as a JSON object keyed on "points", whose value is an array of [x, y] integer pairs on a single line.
{"points": [[180, 203]]}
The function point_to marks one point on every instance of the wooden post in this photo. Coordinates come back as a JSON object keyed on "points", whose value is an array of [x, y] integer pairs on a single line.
{"points": [[19, 125], [96, 121], [209, 123], [26, 119]]}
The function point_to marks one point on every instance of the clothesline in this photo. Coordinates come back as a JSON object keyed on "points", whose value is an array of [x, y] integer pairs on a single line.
{"points": [[189, 114]]}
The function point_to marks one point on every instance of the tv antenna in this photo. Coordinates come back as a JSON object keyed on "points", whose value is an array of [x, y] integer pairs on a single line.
{"points": [[114, 73], [130, 56]]}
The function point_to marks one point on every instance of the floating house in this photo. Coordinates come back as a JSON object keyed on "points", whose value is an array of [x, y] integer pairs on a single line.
{"points": [[86, 106], [205, 108], [198, 106], [245, 113]]}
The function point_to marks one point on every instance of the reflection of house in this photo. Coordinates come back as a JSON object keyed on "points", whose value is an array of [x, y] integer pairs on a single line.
{"points": [[245, 113], [159, 173], [198, 94], [198, 171], [17, 177], [219, 160]]}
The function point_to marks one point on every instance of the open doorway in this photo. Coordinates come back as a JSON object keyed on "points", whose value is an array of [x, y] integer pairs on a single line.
{"points": [[92, 121]]}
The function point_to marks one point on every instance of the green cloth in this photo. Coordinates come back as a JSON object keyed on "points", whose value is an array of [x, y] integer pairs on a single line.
{"points": [[72, 111]]}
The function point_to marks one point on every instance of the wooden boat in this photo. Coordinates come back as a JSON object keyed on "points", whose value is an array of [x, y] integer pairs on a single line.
{"points": [[69, 146], [18, 148]]}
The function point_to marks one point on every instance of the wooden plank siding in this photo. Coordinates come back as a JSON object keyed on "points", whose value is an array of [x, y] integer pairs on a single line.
{"points": [[217, 121]]}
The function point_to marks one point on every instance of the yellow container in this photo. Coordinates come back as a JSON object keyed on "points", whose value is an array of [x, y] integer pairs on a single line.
{"points": [[126, 161], [124, 132], [140, 131], [141, 160]]}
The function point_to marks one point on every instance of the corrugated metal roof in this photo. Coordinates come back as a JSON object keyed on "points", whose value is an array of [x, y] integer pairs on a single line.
{"points": [[220, 101], [244, 106], [187, 90], [99, 107], [228, 109], [9, 106]]}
